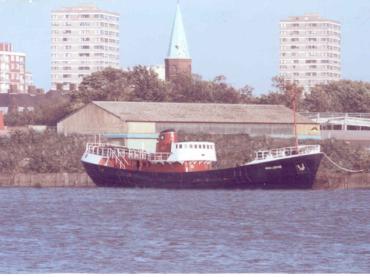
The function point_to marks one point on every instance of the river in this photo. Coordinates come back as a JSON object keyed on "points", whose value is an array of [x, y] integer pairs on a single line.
{"points": [[107, 230]]}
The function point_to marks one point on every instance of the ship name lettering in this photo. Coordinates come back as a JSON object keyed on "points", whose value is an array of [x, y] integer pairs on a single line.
{"points": [[273, 167]]}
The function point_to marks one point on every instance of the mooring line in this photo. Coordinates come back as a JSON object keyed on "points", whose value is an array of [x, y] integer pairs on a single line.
{"points": [[340, 167]]}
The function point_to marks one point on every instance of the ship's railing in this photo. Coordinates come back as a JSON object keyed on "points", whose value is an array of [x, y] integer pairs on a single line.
{"points": [[286, 152], [124, 153]]}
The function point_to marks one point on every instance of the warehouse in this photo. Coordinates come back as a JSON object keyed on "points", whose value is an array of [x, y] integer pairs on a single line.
{"points": [[137, 124]]}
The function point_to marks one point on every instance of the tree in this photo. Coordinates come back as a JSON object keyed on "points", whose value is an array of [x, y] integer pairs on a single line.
{"points": [[222, 92], [146, 86], [52, 107], [286, 93], [137, 84], [193, 89], [109, 84], [339, 96], [246, 94]]}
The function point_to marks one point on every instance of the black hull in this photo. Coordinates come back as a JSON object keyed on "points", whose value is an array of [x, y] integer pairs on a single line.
{"points": [[289, 173]]}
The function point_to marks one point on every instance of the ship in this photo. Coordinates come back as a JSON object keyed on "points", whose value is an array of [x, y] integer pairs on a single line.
{"points": [[190, 165]]}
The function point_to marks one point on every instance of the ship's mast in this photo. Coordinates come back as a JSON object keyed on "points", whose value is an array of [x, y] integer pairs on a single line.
{"points": [[294, 104]]}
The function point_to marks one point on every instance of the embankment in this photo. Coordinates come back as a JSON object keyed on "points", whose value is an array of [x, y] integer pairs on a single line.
{"points": [[46, 180], [51, 160], [324, 180], [332, 180]]}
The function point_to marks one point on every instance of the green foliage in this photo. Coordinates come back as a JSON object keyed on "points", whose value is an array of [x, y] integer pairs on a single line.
{"points": [[49, 111], [286, 94], [48, 152], [339, 96], [146, 86], [142, 84], [109, 84], [15, 118], [346, 154], [194, 89], [33, 152], [138, 84]]}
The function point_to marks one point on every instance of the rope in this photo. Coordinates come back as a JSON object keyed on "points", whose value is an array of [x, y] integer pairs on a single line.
{"points": [[340, 167]]}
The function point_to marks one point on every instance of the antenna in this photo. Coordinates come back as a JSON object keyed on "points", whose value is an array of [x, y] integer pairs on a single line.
{"points": [[294, 104]]}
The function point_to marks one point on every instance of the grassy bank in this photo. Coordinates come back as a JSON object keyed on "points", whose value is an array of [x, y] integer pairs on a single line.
{"points": [[48, 152], [34, 153]]}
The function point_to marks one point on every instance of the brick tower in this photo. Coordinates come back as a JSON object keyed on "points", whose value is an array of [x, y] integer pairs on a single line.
{"points": [[178, 60]]}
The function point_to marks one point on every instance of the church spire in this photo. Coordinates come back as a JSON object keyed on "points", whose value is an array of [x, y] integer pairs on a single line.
{"points": [[178, 48], [178, 61]]}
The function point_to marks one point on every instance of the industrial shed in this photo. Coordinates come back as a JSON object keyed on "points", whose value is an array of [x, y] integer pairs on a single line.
{"points": [[137, 123]]}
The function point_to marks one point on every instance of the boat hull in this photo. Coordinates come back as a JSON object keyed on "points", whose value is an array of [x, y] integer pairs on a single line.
{"points": [[296, 172]]}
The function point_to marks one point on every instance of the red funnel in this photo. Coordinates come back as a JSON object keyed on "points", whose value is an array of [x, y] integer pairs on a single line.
{"points": [[1, 121]]}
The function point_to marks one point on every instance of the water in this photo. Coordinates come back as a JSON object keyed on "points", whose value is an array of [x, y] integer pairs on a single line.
{"points": [[101, 230]]}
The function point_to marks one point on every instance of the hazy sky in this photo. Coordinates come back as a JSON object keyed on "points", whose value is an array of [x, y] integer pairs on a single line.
{"points": [[235, 38]]}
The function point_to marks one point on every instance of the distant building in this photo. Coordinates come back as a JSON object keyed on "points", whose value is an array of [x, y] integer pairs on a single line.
{"points": [[18, 102], [12, 70], [160, 70], [310, 50], [29, 79], [136, 124], [84, 40], [178, 59], [343, 126]]}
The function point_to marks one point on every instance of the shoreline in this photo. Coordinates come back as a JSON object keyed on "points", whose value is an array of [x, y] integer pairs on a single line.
{"points": [[41, 180], [324, 180]]}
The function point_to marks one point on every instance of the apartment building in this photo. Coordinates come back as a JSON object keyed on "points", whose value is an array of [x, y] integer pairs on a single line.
{"points": [[85, 39], [310, 50], [12, 70]]}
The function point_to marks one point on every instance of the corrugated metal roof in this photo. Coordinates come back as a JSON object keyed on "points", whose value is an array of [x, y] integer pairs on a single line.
{"points": [[200, 112]]}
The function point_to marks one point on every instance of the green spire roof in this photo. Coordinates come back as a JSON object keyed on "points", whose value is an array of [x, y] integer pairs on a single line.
{"points": [[178, 45]]}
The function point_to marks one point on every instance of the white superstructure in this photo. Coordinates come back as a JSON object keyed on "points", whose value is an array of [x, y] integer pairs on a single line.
{"points": [[84, 40], [192, 151]]}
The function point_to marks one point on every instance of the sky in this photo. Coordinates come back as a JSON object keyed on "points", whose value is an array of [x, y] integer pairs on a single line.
{"points": [[235, 38]]}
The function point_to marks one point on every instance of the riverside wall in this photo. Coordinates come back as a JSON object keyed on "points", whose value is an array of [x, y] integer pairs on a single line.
{"points": [[333, 180], [46, 180], [324, 180]]}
